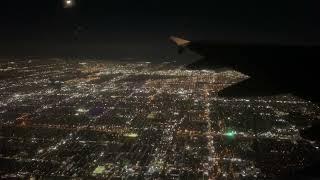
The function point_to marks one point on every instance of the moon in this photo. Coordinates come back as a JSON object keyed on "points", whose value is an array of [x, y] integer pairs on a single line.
{"points": [[68, 3]]}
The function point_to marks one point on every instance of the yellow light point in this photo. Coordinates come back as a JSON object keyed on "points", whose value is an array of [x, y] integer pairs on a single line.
{"points": [[99, 170], [81, 110], [152, 115], [131, 135]]}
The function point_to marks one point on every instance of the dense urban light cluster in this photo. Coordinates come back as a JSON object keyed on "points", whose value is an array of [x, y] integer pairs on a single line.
{"points": [[102, 119]]}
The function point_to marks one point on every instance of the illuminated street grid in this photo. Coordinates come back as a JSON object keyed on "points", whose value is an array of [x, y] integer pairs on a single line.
{"points": [[141, 120]]}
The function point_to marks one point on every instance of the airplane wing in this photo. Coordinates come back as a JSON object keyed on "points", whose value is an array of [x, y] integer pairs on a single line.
{"points": [[272, 68], [252, 87], [181, 43]]}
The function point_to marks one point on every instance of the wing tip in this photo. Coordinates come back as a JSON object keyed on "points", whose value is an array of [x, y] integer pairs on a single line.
{"points": [[179, 41]]}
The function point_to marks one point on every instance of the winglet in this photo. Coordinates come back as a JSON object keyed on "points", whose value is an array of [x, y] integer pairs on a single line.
{"points": [[179, 41]]}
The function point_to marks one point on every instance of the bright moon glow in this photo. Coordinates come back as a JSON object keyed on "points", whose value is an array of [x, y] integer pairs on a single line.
{"points": [[69, 3]]}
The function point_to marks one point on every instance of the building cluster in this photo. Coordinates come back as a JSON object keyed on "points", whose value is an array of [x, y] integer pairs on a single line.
{"points": [[103, 119]]}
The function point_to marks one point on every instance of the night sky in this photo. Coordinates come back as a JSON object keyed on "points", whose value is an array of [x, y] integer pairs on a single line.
{"points": [[140, 29]]}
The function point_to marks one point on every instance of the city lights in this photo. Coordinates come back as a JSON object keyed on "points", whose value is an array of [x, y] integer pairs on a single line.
{"points": [[99, 170], [110, 120], [230, 134], [131, 135]]}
